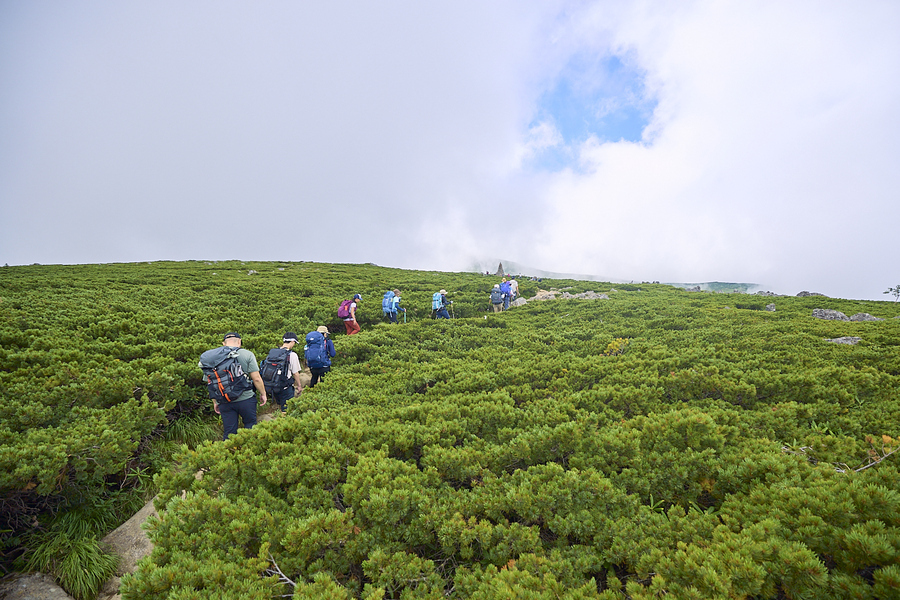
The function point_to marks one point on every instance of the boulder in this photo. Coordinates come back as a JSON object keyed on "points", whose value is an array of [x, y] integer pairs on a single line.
{"points": [[770, 307], [808, 294], [554, 294], [519, 302], [829, 315], [31, 586], [852, 341], [130, 541], [864, 317]]}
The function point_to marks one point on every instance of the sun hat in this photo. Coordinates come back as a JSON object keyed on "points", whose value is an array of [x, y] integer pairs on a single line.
{"points": [[442, 292], [322, 329]]}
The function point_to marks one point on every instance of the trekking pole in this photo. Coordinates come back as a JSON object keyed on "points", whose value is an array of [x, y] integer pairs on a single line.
{"points": [[404, 317], [452, 312]]}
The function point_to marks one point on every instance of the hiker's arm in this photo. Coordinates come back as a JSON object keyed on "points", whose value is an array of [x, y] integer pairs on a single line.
{"points": [[297, 385], [260, 387]]}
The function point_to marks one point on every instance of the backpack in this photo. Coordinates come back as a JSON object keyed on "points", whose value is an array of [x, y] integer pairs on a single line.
{"points": [[436, 301], [496, 296], [225, 377], [344, 309], [387, 303], [274, 369], [315, 352]]}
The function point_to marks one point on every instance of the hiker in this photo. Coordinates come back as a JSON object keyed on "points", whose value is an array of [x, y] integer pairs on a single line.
{"points": [[496, 298], [504, 287], [319, 351], [439, 304], [390, 305], [280, 371], [226, 371], [513, 289], [347, 311]]}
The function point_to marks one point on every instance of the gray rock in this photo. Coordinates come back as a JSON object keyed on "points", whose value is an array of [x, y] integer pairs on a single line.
{"points": [[130, 541], [829, 315], [808, 294], [852, 341], [770, 307], [32, 586], [519, 302], [864, 317], [554, 294]]}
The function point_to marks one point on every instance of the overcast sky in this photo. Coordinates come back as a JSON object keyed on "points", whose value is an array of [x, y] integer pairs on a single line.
{"points": [[648, 141]]}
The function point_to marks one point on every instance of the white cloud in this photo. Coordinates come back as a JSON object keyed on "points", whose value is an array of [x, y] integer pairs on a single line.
{"points": [[774, 122]]}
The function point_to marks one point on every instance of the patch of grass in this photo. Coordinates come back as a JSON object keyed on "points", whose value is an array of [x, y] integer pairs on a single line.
{"points": [[77, 563], [192, 430]]}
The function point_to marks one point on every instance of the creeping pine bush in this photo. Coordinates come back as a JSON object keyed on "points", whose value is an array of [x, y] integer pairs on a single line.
{"points": [[657, 443]]}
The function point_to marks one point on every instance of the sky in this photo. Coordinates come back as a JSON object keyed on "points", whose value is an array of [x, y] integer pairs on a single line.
{"points": [[685, 141]]}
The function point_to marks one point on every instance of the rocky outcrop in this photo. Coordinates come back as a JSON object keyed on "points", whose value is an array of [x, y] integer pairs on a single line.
{"points": [[561, 295], [808, 294], [770, 307], [864, 317], [852, 341], [31, 586], [829, 315]]}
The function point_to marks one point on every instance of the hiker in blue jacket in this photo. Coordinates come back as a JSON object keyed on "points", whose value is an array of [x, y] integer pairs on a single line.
{"points": [[441, 304], [507, 291], [319, 351], [390, 305]]}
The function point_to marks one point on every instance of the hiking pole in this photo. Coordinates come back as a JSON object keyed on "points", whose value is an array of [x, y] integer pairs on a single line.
{"points": [[452, 312]]}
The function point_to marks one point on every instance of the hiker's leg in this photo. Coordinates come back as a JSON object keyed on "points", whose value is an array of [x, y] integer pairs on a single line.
{"points": [[229, 419], [247, 410], [283, 396]]}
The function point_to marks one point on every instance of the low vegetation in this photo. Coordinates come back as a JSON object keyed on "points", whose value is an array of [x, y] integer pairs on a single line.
{"points": [[659, 443]]}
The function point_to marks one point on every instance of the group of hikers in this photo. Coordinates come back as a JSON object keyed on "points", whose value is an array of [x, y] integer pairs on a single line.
{"points": [[503, 293], [390, 305], [232, 373]]}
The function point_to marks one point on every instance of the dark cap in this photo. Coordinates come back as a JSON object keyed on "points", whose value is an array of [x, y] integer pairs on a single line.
{"points": [[290, 336], [231, 334], [357, 297]]}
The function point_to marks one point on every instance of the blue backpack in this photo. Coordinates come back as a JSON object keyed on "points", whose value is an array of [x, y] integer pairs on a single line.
{"points": [[225, 379], [315, 352], [436, 301], [387, 303]]}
